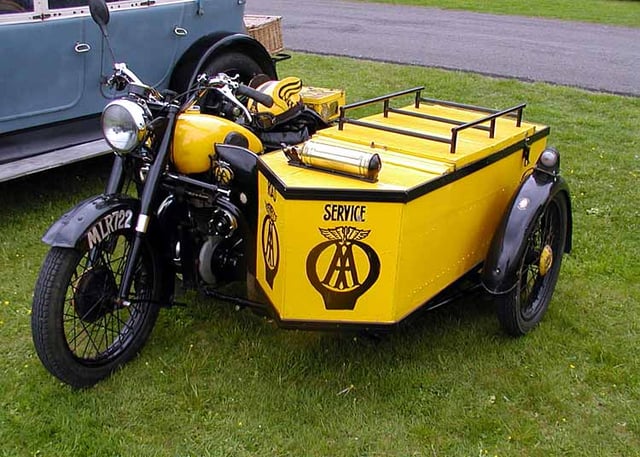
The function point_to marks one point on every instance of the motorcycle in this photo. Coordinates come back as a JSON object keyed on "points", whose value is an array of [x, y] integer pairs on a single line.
{"points": [[190, 159], [243, 182]]}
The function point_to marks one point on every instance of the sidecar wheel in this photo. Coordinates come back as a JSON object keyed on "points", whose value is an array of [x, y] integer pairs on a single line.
{"points": [[522, 308], [80, 333]]}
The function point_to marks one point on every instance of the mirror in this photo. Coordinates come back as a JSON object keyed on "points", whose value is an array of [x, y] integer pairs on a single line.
{"points": [[100, 14]]}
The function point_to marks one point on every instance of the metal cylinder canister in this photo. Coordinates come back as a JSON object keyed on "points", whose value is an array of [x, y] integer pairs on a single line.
{"points": [[353, 162]]}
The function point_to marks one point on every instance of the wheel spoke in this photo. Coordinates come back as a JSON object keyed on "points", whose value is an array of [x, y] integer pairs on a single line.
{"points": [[89, 340]]}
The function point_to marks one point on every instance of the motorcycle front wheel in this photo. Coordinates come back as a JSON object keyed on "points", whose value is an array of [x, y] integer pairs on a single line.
{"points": [[80, 331]]}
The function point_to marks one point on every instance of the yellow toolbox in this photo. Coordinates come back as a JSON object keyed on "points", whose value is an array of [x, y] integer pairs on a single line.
{"points": [[325, 102]]}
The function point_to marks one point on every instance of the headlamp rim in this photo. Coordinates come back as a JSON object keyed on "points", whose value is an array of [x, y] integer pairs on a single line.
{"points": [[137, 116]]}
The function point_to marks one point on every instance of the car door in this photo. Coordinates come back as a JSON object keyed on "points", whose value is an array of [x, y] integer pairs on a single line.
{"points": [[42, 76], [55, 61], [148, 38]]}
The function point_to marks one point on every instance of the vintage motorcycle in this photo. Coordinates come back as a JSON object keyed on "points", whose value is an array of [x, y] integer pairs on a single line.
{"points": [[191, 160], [320, 234]]}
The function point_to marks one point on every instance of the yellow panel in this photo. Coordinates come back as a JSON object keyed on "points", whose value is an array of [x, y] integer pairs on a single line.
{"points": [[472, 145], [271, 240], [447, 232], [337, 259], [371, 261]]}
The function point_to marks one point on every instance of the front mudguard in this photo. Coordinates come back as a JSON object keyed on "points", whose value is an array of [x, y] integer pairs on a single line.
{"points": [[92, 220], [499, 274]]}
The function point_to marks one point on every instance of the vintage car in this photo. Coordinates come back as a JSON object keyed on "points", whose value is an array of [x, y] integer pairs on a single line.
{"points": [[55, 63]]}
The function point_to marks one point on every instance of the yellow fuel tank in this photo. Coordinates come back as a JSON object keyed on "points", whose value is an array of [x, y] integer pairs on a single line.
{"points": [[196, 134]]}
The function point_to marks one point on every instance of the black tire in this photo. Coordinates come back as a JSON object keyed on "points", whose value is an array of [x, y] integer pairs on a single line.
{"points": [[231, 63], [80, 334], [522, 308]]}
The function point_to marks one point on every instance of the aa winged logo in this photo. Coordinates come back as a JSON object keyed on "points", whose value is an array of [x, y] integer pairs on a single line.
{"points": [[349, 266], [270, 245], [344, 234]]}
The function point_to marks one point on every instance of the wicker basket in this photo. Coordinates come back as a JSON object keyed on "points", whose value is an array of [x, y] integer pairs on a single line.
{"points": [[267, 30]]}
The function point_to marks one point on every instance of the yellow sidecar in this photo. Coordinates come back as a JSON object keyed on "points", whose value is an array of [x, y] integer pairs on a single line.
{"points": [[372, 218]]}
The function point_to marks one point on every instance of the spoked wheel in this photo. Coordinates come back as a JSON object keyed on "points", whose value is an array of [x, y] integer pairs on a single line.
{"points": [[522, 308], [80, 330]]}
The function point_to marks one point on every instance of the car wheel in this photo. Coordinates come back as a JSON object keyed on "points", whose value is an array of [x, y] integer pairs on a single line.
{"points": [[231, 63]]}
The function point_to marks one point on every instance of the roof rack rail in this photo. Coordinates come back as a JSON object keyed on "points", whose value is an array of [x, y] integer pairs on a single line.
{"points": [[490, 116]]}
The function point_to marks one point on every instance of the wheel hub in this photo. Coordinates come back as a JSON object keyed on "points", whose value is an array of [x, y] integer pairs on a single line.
{"points": [[546, 260], [94, 295]]}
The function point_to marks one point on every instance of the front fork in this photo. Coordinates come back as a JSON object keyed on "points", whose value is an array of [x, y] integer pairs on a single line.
{"points": [[146, 200], [116, 178]]}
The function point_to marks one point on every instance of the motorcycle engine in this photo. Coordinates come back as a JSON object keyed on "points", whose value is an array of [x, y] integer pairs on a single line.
{"points": [[221, 256]]}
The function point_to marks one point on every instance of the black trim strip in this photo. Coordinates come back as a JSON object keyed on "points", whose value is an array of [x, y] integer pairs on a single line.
{"points": [[393, 196], [456, 290]]}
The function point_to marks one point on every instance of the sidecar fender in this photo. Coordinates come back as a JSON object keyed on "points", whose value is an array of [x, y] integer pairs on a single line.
{"points": [[499, 270], [92, 220]]}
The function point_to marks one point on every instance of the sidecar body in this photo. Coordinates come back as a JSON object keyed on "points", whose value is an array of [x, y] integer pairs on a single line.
{"points": [[340, 243]]}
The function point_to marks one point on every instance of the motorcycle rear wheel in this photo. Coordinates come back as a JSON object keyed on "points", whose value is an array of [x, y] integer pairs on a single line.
{"points": [[80, 332]]}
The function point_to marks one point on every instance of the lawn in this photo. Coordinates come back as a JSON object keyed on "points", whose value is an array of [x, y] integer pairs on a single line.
{"points": [[215, 382], [615, 12]]}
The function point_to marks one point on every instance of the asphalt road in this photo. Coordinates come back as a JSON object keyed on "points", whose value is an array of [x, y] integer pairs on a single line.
{"points": [[591, 56]]}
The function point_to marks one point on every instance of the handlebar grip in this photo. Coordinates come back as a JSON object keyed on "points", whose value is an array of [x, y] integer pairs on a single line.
{"points": [[256, 95]]}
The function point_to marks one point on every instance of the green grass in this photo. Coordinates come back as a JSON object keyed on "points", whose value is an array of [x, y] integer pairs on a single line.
{"points": [[615, 12], [215, 382]]}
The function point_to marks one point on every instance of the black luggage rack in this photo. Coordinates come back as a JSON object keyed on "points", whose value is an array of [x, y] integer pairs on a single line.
{"points": [[515, 111]]}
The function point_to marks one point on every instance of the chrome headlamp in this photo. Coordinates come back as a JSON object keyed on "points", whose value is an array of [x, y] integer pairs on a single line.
{"points": [[549, 161], [124, 125]]}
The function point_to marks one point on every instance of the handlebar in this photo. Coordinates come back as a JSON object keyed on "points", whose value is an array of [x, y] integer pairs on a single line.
{"points": [[123, 77], [256, 95]]}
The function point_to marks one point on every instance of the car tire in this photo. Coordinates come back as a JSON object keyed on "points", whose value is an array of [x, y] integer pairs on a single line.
{"points": [[233, 63], [230, 62]]}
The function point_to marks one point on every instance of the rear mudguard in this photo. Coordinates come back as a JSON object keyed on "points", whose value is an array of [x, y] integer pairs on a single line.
{"points": [[92, 220], [508, 243]]}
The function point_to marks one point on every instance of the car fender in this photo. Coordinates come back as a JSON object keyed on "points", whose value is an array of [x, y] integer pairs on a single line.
{"points": [[92, 220], [207, 47], [507, 245]]}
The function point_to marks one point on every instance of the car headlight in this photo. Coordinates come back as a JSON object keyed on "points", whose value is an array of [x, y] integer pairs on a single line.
{"points": [[123, 125]]}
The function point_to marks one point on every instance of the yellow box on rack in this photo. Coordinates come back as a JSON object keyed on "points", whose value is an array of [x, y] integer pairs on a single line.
{"points": [[325, 102]]}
